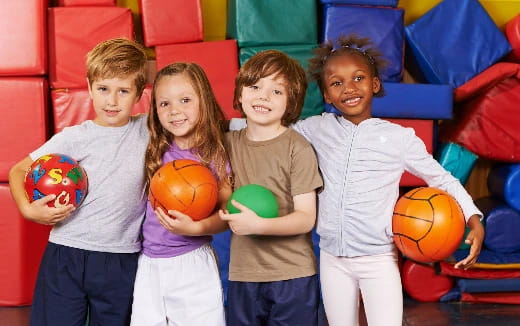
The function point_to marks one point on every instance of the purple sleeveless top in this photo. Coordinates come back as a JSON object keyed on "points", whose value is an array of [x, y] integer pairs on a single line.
{"points": [[159, 242]]}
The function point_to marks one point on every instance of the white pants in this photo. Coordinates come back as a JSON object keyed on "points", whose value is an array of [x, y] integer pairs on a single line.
{"points": [[183, 291], [378, 279]]}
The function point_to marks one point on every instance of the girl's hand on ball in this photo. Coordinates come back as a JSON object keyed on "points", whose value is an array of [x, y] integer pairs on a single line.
{"points": [[178, 223]]}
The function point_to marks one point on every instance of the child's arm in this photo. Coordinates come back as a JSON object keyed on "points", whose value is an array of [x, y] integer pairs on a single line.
{"points": [[474, 238], [37, 211], [182, 224], [300, 221]]}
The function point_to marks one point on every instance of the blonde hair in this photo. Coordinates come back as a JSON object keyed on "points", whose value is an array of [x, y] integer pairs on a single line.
{"points": [[117, 58], [274, 62], [208, 138]]}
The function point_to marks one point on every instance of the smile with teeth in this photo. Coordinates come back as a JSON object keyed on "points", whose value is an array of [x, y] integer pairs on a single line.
{"points": [[352, 100], [177, 123], [259, 108]]}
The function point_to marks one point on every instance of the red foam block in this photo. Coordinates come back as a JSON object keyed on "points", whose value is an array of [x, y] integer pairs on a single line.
{"points": [[22, 38], [23, 126], [21, 249], [424, 130], [171, 21], [73, 31], [219, 59], [73, 106], [486, 120], [423, 284]]}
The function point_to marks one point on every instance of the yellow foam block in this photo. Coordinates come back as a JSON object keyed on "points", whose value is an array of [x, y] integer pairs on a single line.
{"points": [[214, 19], [501, 11], [133, 5]]}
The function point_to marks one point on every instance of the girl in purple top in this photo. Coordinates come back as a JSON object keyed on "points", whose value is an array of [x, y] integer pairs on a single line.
{"points": [[177, 278]]}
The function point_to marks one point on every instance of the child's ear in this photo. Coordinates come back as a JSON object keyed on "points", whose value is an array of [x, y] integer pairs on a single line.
{"points": [[376, 85]]}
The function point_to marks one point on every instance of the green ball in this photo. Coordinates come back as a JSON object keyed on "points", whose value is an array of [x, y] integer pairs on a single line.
{"points": [[257, 198]]}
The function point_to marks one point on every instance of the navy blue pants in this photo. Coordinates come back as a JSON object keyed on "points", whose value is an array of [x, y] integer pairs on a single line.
{"points": [[291, 302], [73, 282]]}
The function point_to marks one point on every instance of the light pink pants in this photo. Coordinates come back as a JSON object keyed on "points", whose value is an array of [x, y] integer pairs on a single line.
{"points": [[378, 279]]}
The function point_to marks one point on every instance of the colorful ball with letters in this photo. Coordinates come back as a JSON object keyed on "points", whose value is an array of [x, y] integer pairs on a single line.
{"points": [[427, 225], [257, 198], [186, 186], [56, 174]]}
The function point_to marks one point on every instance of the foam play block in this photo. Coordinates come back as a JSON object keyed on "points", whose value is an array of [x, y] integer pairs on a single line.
{"points": [[214, 13], [313, 104], [491, 260], [23, 126], [486, 121], [450, 43], [422, 282], [504, 182], [383, 25], [272, 22], [424, 130], [489, 285], [512, 31], [73, 106], [457, 160], [501, 11], [502, 225], [498, 297], [23, 243], [387, 3], [219, 59], [73, 31], [412, 101], [22, 38], [478, 273], [65, 3], [171, 21]]}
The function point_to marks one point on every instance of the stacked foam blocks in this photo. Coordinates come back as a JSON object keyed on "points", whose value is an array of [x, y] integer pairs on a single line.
{"points": [[484, 75], [434, 76]]}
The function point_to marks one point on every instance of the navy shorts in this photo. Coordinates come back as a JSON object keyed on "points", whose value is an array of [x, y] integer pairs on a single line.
{"points": [[291, 302], [73, 282]]}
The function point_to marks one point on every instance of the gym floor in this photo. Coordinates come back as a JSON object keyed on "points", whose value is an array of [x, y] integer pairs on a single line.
{"points": [[415, 314]]}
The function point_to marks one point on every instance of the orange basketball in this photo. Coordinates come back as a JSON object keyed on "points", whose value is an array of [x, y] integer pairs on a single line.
{"points": [[186, 186], [427, 225]]}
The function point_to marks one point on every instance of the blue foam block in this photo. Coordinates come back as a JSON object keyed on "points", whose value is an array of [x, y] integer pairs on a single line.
{"points": [[383, 25], [504, 182], [502, 225], [488, 286], [455, 41], [412, 101]]}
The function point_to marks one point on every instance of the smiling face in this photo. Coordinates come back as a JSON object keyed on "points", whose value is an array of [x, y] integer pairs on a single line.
{"points": [[264, 103], [113, 100], [178, 107], [349, 86]]}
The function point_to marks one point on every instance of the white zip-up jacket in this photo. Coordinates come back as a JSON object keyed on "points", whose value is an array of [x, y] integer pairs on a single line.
{"points": [[361, 167]]}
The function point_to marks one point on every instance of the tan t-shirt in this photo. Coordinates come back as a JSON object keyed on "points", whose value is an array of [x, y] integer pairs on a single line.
{"points": [[287, 166]]}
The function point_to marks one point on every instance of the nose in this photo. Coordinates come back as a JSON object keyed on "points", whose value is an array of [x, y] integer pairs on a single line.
{"points": [[112, 99], [350, 87], [264, 95]]}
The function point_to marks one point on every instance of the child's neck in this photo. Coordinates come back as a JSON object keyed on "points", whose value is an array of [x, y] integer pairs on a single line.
{"points": [[257, 132]]}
